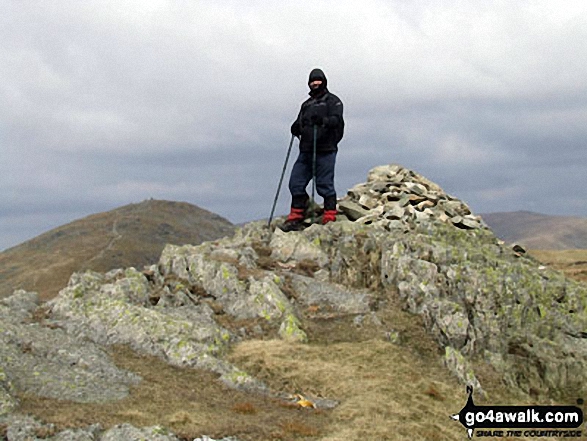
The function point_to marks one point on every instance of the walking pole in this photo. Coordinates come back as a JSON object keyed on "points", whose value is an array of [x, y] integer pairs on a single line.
{"points": [[313, 173], [280, 182]]}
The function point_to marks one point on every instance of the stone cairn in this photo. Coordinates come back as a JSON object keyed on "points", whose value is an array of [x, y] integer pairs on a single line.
{"points": [[395, 198]]}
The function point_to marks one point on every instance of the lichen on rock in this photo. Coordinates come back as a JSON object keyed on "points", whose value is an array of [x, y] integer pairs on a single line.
{"points": [[290, 330], [113, 314], [50, 363]]}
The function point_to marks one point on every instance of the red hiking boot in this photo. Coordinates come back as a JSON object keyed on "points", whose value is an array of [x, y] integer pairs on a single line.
{"points": [[329, 216], [294, 221]]}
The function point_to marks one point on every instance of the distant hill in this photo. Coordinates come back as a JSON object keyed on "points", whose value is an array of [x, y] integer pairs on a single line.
{"points": [[539, 231], [133, 235]]}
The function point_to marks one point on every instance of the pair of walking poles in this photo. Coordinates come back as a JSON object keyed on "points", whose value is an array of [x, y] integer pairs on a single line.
{"points": [[283, 173]]}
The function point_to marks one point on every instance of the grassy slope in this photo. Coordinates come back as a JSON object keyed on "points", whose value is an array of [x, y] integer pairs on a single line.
{"points": [[133, 235], [572, 262]]}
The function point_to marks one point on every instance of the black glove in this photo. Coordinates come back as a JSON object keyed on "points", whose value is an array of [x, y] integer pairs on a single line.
{"points": [[295, 129]]}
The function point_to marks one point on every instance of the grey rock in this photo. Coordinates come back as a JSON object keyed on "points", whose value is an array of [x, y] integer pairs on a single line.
{"points": [[380, 187], [454, 207], [394, 212], [291, 330], [19, 306], [423, 215], [475, 296], [288, 247], [415, 188], [396, 225], [207, 438], [50, 363], [449, 322], [336, 297], [367, 201], [355, 192], [456, 220], [27, 428], [352, 210], [425, 205], [22, 428], [465, 223], [107, 315], [394, 195], [393, 336], [380, 173], [518, 248], [369, 219], [7, 400], [126, 432], [460, 367]]}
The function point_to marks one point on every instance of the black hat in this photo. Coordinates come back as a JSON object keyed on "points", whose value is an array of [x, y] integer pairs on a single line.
{"points": [[317, 74]]}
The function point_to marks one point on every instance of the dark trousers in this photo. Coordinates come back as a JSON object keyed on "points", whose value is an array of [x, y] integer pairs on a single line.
{"points": [[301, 175]]}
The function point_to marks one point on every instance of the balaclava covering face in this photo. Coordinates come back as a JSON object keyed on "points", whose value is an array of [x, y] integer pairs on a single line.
{"points": [[317, 74]]}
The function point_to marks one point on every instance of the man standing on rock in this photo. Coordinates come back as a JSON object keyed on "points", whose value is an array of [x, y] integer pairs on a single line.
{"points": [[319, 126]]}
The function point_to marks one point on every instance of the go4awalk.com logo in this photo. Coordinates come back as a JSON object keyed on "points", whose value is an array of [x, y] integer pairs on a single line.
{"points": [[520, 421]]}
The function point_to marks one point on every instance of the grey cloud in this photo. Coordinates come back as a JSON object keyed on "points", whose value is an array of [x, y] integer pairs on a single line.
{"points": [[107, 103]]}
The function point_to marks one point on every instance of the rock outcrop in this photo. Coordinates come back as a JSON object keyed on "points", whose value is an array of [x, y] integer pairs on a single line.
{"points": [[409, 241], [50, 362]]}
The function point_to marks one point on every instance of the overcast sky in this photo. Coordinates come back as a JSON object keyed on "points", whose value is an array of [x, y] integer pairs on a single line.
{"points": [[111, 102]]}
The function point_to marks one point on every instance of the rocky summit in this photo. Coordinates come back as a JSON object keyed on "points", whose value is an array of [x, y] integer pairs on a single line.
{"points": [[401, 240], [395, 197]]}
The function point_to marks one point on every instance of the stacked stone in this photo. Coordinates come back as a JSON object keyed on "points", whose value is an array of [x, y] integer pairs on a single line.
{"points": [[395, 197]]}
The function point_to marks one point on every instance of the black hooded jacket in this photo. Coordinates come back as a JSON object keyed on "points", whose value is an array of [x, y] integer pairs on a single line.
{"points": [[323, 109]]}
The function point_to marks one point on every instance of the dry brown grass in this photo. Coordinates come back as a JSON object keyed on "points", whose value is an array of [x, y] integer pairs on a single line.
{"points": [[572, 262], [433, 392], [298, 429], [386, 392], [189, 401], [307, 267], [246, 408]]}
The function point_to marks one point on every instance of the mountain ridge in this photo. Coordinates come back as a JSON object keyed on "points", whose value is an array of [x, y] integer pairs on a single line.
{"points": [[539, 231], [130, 235]]}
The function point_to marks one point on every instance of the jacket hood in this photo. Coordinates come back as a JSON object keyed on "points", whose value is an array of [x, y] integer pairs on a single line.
{"points": [[317, 74]]}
